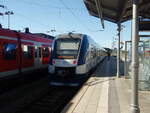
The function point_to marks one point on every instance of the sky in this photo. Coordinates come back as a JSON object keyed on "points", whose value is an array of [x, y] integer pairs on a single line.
{"points": [[63, 16]]}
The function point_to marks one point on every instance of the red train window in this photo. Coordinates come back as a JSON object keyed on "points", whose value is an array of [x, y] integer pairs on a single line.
{"points": [[35, 52], [28, 52], [9, 51], [45, 52], [40, 52]]}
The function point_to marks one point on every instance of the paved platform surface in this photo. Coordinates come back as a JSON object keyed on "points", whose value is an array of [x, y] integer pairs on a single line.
{"points": [[104, 93]]}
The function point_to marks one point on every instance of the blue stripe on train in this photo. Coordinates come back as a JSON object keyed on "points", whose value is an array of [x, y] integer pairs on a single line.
{"points": [[83, 51]]}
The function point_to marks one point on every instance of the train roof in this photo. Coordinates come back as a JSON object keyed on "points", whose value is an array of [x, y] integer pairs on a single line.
{"points": [[70, 35], [24, 36], [79, 35], [44, 35]]}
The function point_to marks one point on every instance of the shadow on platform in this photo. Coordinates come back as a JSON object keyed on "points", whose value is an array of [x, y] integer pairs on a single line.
{"points": [[108, 68], [98, 81]]}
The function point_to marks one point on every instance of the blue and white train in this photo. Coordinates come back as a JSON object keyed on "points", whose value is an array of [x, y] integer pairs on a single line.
{"points": [[73, 56]]}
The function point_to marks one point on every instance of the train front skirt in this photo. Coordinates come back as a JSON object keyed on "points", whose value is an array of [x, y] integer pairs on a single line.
{"points": [[68, 80]]}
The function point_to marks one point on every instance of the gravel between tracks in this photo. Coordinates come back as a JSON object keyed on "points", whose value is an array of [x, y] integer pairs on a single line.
{"points": [[11, 101], [36, 97]]}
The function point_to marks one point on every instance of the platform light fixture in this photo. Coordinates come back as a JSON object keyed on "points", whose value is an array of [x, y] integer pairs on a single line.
{"points": [[9, 13]]}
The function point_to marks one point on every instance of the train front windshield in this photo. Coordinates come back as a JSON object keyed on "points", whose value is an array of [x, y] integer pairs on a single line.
{"points": [[67, 48]]}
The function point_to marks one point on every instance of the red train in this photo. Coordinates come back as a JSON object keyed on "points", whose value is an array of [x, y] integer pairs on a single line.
{"points": [[23, 52]]}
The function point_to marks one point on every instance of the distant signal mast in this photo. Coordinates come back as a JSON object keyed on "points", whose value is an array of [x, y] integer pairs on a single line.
{"points": [[4, 7]]}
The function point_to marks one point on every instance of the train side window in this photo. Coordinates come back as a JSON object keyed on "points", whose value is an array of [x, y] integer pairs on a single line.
{"points": [[35, 52], [28, 51], [9, 51], [39, 52], [45, 52]]}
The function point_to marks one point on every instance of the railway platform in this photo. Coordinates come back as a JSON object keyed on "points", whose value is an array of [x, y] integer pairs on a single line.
{"points": [[105, 93]]}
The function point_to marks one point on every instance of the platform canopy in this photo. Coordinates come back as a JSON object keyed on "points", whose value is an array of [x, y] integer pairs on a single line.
{"points": [[116, 10]]}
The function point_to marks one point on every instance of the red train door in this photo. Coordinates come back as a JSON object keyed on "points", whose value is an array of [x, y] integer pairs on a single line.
{"points": [[46, 55], [27, 60], [37, 57]]}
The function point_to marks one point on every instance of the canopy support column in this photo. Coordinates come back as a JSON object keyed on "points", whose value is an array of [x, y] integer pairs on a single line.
{"points": [[135, 59], [125, 62]]}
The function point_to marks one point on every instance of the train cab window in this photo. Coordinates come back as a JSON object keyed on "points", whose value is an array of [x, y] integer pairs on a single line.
{"points": [[45, 52], [67, 48], [9, 51], [27, 51]]}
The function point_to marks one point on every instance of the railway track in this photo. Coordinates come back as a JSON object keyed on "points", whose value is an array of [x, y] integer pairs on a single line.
{"points": [[51, 102], [33, 95], [6, 85], [36, 97]]}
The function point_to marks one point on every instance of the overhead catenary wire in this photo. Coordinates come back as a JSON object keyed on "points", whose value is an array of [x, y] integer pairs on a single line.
{"points": [[71, 10], [76, 17], [32, 20], [60, 9], [29, 19], [38, 22], [35, 20], [48, 6]]}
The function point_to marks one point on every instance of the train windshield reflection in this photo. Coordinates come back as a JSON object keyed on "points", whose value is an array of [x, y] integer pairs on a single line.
{"points": [[67, 48]]}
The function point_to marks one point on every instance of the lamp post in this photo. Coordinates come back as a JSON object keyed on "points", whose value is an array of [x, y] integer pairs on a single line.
{"points": [[9, 13], [2, 6], [1, 14], [120, 27], [118, 52]]}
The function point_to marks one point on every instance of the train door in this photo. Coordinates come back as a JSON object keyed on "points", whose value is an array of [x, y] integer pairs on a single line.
{"points": [[37, 57], [27, 57], [45, 55]]}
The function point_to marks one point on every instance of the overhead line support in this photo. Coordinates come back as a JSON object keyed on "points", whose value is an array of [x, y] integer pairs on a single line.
{"points": [[99, 10]]}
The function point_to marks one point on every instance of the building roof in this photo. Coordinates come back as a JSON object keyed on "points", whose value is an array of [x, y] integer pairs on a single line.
{"points": [[116, 10]]}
